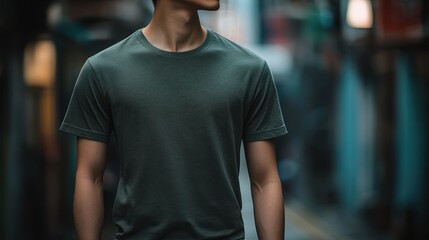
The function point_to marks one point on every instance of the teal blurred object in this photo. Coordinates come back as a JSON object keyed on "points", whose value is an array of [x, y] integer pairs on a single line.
{"points": [[347, 138], [411, 137]]}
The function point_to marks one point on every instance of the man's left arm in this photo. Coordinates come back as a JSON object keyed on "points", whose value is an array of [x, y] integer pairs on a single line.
{"points": [[266, 189]]}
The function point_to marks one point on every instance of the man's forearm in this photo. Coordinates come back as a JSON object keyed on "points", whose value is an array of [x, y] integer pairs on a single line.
{"points": [[269, 210], [88, 208]]}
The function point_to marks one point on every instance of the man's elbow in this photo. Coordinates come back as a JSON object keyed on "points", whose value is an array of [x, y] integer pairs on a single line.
{"points": [[261, 186], [95, 177]]}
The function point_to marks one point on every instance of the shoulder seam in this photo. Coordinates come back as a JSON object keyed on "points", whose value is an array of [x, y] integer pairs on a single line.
{"points": [[264, 67], [98, 82]]}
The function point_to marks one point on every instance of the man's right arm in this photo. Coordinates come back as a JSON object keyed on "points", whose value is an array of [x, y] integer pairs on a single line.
{"points": [[88, 207]]}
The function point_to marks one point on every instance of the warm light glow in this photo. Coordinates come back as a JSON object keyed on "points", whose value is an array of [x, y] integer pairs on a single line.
{"points": [[39, 63], [359, 14]]}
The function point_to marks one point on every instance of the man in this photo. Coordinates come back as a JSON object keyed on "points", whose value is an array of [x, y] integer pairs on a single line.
{"points": [[180, 98]]}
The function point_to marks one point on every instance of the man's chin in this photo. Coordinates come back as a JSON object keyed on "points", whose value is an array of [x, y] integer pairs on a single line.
{"points": [[215, 7]]}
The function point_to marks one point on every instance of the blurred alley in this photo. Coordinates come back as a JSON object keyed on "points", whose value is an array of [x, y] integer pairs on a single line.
{"points": [[352, 78]]}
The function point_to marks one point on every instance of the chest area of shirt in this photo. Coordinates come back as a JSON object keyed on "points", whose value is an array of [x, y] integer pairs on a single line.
{"points": [[179, 91]]}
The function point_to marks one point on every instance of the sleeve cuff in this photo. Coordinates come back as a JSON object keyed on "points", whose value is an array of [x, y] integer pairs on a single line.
{"points": [[266, 134], [70, 129]]}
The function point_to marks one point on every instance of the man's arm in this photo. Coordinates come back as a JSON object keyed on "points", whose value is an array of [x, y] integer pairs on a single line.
{"points": [[88, 207], [266, 189]]}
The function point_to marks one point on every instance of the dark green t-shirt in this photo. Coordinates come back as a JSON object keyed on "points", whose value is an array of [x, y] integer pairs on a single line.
{"points": [[179, 119]]}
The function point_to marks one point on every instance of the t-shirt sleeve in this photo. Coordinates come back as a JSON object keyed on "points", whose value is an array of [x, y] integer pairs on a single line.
{"points": [[264, 119], [88, 113]]}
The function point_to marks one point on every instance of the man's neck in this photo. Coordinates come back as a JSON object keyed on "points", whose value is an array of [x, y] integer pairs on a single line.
{"points": [[175, 27]]}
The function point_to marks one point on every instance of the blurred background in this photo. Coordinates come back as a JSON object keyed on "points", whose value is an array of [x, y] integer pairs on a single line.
{"points": [[352, 77]]}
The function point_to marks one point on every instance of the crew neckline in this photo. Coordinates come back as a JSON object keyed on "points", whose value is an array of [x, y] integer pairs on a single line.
{"points": [[203, 46]]}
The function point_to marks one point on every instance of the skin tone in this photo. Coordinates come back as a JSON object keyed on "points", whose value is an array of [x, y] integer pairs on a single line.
{"points": [[175, 27], [266, 188], [88, 206]]}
